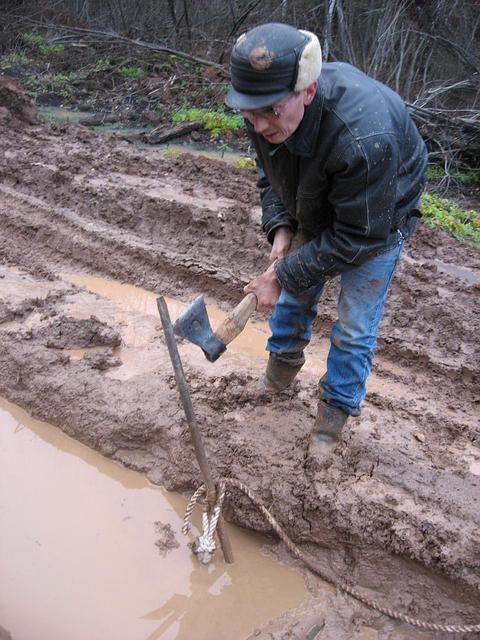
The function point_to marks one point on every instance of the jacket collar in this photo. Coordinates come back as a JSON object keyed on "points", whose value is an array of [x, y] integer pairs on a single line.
{"points": [[303, 141]]}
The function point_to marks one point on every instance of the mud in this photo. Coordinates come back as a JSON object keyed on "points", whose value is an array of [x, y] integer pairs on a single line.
{"points": [[166, 540], [71, 333], [16, 108], [392, 512]]}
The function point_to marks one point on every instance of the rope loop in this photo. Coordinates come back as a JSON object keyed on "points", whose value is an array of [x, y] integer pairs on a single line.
{"points": [[205, 546]]}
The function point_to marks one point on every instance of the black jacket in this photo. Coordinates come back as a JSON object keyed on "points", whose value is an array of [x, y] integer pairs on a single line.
{"points": [[349, 177]]}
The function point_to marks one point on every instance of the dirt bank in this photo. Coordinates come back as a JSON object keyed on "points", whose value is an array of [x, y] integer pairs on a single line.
{"points": [[16, 108], [395, 510]]}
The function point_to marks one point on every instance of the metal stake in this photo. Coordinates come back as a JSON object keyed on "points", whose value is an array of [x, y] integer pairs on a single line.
{"points": [[192, 424]]}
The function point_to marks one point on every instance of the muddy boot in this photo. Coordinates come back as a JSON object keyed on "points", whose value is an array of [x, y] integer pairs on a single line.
{"points": [[280, 372], [329, 423]]}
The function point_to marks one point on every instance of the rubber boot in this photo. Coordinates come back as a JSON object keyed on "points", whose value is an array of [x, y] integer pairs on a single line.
{"points": [[281, 371], [326, 432]]}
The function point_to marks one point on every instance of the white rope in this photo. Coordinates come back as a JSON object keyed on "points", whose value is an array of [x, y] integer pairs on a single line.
{"points": [[204, 546]]}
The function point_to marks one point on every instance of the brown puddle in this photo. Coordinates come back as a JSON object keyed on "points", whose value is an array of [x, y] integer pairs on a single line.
{"points": [[79, 560], [247, 350], [250, 342]]}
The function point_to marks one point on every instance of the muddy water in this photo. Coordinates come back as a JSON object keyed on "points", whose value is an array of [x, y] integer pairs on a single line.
{"points": [[251, 342], [79, 560], [247, 351], [62, 114], [462, 273]]}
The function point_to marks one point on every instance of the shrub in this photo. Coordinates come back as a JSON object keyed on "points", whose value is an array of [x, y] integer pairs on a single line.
{"points": [[39, 42], [104, 64], [14, 60], [33, 38], [440, 212], [216, 121], [245, 163], [48, 49], [132, 73]]}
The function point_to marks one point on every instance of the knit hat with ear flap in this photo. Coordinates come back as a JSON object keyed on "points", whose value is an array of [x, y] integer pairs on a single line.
{"points": [[270, 61]]}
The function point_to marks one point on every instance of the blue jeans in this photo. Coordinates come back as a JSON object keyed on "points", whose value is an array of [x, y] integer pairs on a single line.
{"points": [[353, 339]]}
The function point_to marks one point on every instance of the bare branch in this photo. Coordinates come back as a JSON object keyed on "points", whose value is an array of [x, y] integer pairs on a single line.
{"points": [[111, 35]]}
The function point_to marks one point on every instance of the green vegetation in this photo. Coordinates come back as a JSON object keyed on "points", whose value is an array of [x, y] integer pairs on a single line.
{"points": [[435, 172], [58, 83], [440, 212], [245, 163], [172, 153], [103, 64], [48, 49], [132, 73], [216, 121], [14, 60], [33, 38], [39, 42], [59, 79]]}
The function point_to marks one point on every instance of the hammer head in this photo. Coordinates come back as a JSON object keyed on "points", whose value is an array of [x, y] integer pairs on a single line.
{"points": [[194, 325]]}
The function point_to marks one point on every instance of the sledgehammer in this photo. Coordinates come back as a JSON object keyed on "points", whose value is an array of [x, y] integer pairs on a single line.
{"points": [[194, 325]]}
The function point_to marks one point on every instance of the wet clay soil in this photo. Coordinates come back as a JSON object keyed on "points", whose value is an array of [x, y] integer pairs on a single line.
{"points": [[395, 508]]}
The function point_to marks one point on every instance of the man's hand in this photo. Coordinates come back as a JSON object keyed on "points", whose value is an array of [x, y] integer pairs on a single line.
{"points": [[281, 243], [267, 289]]}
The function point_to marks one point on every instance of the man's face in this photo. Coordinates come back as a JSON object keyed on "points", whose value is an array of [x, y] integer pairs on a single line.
{"points": [[279, 121]]}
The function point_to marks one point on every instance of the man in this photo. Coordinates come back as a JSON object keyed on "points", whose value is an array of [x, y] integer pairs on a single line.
{"points": [[341, 169]]}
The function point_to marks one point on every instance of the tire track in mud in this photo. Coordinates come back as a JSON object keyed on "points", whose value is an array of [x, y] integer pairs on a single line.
{"points": [[385, 491], [64, 234]]}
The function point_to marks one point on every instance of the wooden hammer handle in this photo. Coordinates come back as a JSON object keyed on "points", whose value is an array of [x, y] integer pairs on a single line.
{"points": [[236, 320]]}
